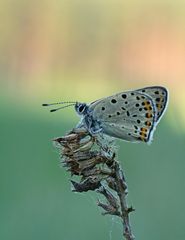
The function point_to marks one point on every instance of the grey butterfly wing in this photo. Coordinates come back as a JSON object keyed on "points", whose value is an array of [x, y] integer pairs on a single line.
{"points": [[159, 96], [128, 115]]}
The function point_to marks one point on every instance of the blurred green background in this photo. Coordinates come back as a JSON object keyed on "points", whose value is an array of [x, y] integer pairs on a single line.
{"points": [[84, 50]]}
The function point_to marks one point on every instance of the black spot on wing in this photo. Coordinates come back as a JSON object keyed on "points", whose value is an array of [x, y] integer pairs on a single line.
{"points": [[113, 100], [124, 96]]}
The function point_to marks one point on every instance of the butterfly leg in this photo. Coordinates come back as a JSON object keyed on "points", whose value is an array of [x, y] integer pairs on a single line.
{"points": [[105, 142], [94, 130], [92, 125]]}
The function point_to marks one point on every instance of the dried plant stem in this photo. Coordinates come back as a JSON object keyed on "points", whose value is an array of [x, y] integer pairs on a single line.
{"points": [[93, 160], [122, 192]]}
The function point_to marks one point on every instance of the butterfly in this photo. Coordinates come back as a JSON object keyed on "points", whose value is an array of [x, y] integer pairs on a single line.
{"points": [[130, 115]]}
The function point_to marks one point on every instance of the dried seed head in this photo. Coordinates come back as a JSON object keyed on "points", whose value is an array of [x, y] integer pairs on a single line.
{"points": [[82, 154], [92, 159]]}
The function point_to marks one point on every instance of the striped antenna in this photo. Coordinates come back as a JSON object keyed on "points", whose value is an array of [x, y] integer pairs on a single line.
{"points": [[50, 104], [56, 109], [68, 104]]}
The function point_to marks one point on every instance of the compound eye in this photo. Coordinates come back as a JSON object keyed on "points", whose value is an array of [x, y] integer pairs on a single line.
{"points": [[81, 108]]}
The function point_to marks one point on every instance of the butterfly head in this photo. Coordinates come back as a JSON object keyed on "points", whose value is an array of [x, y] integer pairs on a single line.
{"points": [[81, 108]]}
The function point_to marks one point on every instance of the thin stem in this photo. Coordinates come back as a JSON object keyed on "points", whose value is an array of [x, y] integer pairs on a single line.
{"points": [[122, 193]]}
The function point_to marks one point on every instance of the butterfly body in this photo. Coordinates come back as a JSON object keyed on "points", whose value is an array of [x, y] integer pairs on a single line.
{"points": [[130, 116]]}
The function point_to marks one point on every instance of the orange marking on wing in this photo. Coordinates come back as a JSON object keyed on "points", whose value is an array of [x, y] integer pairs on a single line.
{"points": [[159, 106], [148, 123], [142, 138], [149, 115], [144, 129], [147, 105], [159, 101]]}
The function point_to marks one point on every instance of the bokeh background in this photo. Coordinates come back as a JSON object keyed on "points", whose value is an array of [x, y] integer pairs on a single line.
{"points": [[84, 50]]}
